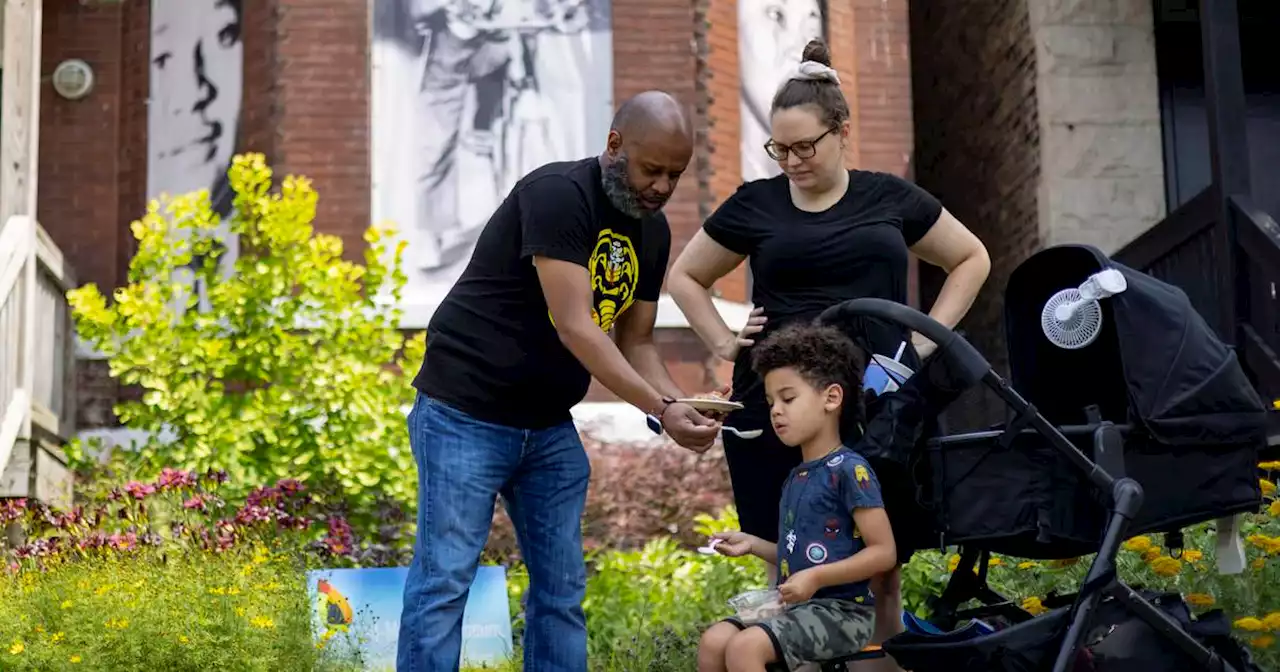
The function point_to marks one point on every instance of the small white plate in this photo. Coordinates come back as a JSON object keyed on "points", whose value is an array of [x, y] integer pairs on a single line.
{"points": [[713, 405]]}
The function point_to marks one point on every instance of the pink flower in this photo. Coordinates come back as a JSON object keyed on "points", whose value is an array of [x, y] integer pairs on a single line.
{"points": [[139, 491], [123, 542], [197, 502], [175, 478], [11, 509]]}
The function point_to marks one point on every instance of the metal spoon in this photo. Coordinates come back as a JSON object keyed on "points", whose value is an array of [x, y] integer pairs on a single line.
{"points": [[743, 433]]}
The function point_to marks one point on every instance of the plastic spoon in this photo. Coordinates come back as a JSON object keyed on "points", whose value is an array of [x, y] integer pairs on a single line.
{"points": [[743, 433], [710, 548]]}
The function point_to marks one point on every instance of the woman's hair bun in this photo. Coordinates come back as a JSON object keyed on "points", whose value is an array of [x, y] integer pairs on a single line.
{"points": [[817, 52]]}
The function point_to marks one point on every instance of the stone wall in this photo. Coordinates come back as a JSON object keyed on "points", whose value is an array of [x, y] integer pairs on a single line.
{"points": [[1102, 162]]}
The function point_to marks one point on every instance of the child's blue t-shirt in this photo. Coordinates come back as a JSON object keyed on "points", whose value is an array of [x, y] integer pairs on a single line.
{"points": [[816, 517]]}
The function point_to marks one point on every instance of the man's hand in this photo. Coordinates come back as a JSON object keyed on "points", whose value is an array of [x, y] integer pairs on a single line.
{"points": [[734, 543], [689, 428], [799, 586]]}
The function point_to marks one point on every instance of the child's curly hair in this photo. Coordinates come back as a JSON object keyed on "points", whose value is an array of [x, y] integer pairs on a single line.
{"points": [[822, 355]]}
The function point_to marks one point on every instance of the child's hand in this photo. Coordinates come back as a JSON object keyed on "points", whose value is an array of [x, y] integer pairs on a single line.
{"points": [[799, 587], [734, 543]]}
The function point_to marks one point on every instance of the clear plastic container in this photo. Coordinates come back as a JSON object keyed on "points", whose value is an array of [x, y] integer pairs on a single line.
{"points": [[754, 606]]}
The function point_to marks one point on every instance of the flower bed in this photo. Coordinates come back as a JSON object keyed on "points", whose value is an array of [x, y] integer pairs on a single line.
{"points": [[167, 575]]}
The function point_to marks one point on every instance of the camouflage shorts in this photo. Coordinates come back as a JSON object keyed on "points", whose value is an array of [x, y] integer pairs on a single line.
{"points": [[819, 630]]}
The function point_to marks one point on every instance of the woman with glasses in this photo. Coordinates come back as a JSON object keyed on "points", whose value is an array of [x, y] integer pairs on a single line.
{"points": [[817, 235]]}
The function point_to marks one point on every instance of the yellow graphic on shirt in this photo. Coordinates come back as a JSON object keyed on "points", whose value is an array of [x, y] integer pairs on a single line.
{"points": [[860, 473], [615, 273]]}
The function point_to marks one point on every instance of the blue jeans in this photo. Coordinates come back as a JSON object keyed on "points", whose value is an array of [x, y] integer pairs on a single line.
{"points": [[542, 475]]}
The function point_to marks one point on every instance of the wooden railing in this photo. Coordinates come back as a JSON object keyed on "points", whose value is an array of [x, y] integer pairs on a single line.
{"points": [[36, 353], [1258, 270], [1185, 250]]}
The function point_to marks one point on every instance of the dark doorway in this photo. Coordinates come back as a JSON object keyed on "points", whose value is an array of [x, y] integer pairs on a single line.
{"points": [[1180, 68]]}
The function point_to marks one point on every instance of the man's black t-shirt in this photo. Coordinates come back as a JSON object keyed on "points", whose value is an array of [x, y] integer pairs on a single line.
{"points": [[492, 349], [805, 262]]}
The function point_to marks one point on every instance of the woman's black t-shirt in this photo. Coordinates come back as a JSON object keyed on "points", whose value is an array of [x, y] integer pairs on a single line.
{"points": [[805, 262]]}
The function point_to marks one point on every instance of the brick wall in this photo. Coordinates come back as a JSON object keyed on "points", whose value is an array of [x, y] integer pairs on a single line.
{"points": [[79, 200], [321, 97], [977, 149]]}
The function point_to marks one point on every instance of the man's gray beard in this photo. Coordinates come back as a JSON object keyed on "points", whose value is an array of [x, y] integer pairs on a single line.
{"points": [[614, 180]]}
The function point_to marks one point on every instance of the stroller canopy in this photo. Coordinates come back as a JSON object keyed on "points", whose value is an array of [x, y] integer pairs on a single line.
{"points": [[1157, 363]]}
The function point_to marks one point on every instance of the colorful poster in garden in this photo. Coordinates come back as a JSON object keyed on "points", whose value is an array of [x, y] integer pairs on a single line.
{"points": [[193, 109], [467, 97], [367, 603], [771, 37]]}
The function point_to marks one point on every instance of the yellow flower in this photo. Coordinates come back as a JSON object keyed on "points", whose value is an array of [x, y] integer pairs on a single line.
{"points": [[1138, 544], [1269, 545], [1028, 564], [58, 637], [995, 562], [239, 611], [1262, 641], [1268, 488], [1192, 555], [119, 624], [1151, 554], [1274, 508], [17, 648], [182, 639], [233, 591], [217, 591], [953, 562], [1033, 606], [74, 660], [1166, 566], [102, 590], [39, 628], [262, 622], [67, 604], [1273, 465], [1271, 621], [1249, 623], [1200, 599]]}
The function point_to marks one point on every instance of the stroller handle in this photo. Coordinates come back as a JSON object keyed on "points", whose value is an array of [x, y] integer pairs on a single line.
{"points": [[965, 360]]}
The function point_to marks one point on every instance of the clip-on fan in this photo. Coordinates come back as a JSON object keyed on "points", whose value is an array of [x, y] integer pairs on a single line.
{"points": [[1072, 318]]}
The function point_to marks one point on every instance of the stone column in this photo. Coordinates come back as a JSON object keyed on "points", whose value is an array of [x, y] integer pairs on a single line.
{"points": [[1101, 155]]}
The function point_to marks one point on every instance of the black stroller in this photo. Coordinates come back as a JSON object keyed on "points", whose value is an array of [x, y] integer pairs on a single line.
{"points": [[1150, 428]]}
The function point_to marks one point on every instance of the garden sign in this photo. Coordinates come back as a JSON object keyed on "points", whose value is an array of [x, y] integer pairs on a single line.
{"points": [[367, 602]]}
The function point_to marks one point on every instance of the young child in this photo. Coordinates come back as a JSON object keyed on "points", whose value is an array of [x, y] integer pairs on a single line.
{"points": [[834, 535]]}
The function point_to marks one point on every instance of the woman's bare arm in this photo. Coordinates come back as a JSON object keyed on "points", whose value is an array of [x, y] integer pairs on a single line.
{"points": [[700, 264], [954, 248]]}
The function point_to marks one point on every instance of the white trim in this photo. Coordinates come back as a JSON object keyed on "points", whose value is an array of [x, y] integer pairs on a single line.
{"points": [[11, 423]]}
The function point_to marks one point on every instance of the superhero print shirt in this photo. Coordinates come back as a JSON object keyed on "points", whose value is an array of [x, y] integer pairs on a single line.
{"points": [[816, 517]]}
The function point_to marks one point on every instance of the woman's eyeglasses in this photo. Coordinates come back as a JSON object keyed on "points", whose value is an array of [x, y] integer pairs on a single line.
{"points": [[805, 149]]}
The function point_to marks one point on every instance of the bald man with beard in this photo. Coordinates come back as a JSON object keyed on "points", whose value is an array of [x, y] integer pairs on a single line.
{"points": [[576, 253]]}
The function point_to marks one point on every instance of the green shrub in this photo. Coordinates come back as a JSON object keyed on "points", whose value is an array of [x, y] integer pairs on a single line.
{"points": [[168, 575], [293, 367]]}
